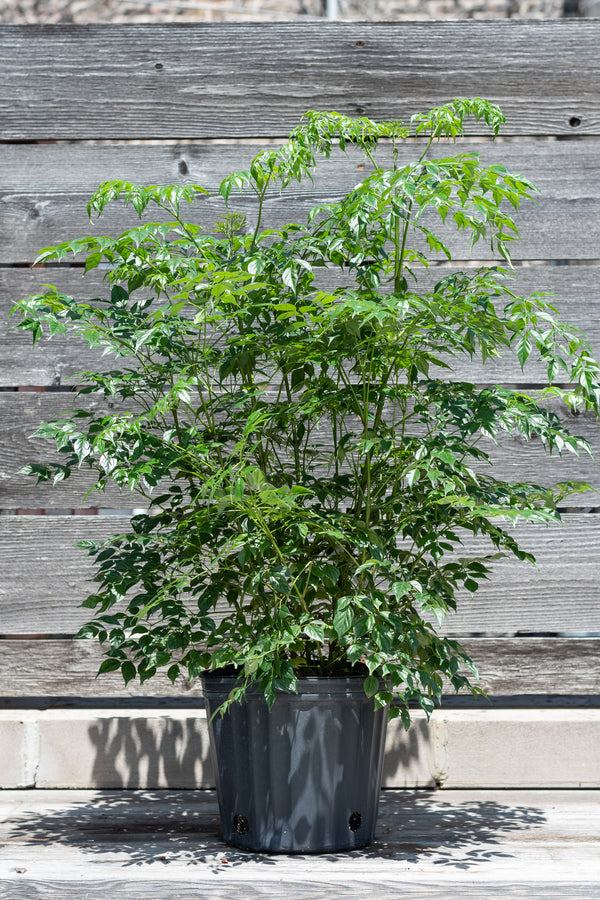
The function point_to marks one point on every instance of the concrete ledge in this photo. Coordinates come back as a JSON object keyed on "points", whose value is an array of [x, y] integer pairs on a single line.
{"points": [[155, 749], [524, 748], [519, 748], [19, 750]]}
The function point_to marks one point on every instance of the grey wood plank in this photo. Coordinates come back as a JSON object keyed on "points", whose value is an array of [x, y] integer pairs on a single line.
{"points": [[46, 578], [61, 667], [428, 844], [40, 555], [22, 413], [54, 362], [558, 169], [509, 667], [230, 80], [559, 594], [552, 229], [50, 205], [157, 890], [536, 665], [575, 281], [377, 890]]}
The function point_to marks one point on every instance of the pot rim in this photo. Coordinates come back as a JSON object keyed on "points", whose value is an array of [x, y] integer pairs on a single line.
{"points": [[215, 683]]}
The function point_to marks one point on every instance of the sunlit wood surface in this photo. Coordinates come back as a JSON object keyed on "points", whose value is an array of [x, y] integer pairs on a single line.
{"points": [[429, 845]]}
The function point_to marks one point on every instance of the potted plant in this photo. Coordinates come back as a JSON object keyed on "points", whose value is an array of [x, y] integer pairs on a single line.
{"points": [[310, 460]]}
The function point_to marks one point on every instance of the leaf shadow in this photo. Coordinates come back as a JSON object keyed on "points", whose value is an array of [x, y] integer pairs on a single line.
{"points": [[453, 833], [160, 828]]}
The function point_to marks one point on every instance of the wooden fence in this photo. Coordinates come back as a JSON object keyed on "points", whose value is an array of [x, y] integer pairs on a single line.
{"points": [[188, 104]]}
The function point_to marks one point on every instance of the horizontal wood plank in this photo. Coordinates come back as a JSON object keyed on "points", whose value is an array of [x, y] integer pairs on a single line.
{"points": [[560, 593], [68, 668], [558, 169], [508, 666], [44, 194], [54, 362], [530, 665], [249, 80], [374, 887], [21, 413], [429, 845], [575, 281], [46, 576], [552, 229]]}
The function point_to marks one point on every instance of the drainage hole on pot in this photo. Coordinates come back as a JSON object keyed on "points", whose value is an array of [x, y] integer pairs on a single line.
{"points": [[241, 825], [355, 821]]}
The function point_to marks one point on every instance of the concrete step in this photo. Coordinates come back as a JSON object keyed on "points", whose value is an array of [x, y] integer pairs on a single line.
{"points": [[158, 748]]}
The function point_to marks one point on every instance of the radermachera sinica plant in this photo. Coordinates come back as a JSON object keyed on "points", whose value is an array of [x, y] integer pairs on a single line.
{"points": [[290, 415]]}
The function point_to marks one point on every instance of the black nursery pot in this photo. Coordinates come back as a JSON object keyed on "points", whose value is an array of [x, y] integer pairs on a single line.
{"points": [[303, 777]]}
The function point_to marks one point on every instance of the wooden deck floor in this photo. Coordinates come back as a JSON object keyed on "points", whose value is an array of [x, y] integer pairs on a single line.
{"points": [[165, 845]]}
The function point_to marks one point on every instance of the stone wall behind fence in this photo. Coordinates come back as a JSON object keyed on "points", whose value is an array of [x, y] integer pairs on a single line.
{"points": [[24, 12]]}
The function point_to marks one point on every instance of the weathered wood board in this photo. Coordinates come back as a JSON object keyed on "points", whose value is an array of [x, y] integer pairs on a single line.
{"points": [[559, 169], [44, 193], [22, 412], [573, 283], [54, 362], [31, 222], [61, 82], [509, 667], [46, 577], [166, 845]]}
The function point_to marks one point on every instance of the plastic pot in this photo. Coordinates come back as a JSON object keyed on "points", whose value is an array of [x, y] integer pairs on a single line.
{"points": [[303, 777]]}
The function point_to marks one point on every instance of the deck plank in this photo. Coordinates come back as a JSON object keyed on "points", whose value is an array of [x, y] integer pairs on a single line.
{"points": [[429, 844]]}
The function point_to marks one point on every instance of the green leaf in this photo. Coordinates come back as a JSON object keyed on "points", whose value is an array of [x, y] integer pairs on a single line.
{"points": [[173, 673], [342, 620], [128, 671], [371, 685], [118, 295], [93, 260], [109, 665], [330, 573], [524, 350], [315, 631]]}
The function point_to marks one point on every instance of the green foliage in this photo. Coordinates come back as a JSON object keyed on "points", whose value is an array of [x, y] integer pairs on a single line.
{"points": [[310, 462]]}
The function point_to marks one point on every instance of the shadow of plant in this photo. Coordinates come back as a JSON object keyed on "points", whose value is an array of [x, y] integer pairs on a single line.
{"points": [[144, 828], [151, 753], [413, 826]]}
